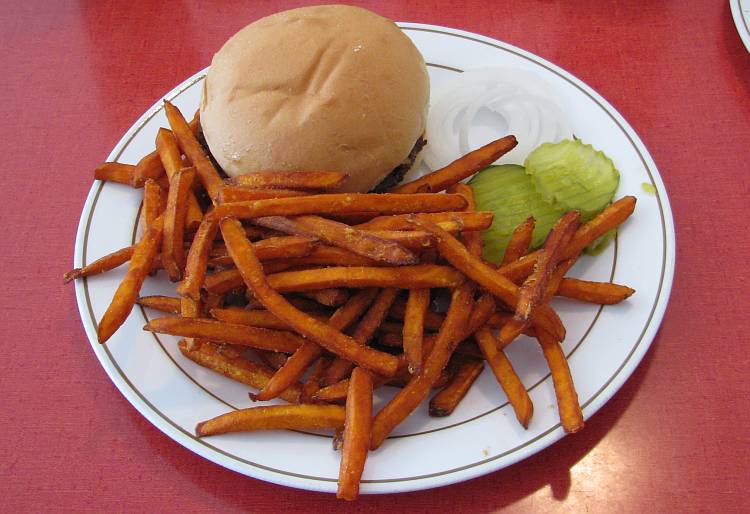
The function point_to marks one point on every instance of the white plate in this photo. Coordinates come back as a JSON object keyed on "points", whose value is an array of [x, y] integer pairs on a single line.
{"points": [[604, 345], [741, 14]]}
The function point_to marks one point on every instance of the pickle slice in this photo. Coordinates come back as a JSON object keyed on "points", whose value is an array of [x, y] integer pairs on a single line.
{"points": [[507, 191], [573, 175]]}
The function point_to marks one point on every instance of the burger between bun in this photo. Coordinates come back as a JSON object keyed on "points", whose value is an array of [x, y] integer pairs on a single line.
{"points": [[331, 87]]}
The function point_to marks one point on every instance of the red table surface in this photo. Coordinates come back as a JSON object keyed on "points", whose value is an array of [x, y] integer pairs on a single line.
{"points": [[673, 439]]}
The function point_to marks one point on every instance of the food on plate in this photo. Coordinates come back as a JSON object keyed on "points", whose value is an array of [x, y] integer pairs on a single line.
{"points": [[274, 417], [222, 332], [508, 193], [314, 180], [207, 174], [329, 87], [175, 213], [447, 399], [559, 177], [357, 427], [323, 334], [162, 304], [533, 288], [140, 265], [519, 242], [461, 168], [298, 282], [479, 105], [414, 314], [573, 176], [342, 236], [571, 416], [506, 376]]}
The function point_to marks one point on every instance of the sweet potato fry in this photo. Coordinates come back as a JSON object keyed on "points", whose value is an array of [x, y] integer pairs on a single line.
{"points": [[342, 236], [480, 315], [274, 417], [149, 167], [450, 221], [342, 203], [557, 277], [534, 287], [489, 278], [412, 240], [334, 392], [405, 277], [445, 402], [255, 318], [209, 355], [323, 255], [520, 240], [420, 384], [229, 194], [611, 217], [190, 308], [511, 327], [330, 297], [197, 259], [364, 332], [601, 293], [272, 248], [274, 360], [169, 153], [173, 252], [356, 434], [299, 361], [510, 331], [283, 247], [127, 292], [432, 320], [472, 239], [190, 146], [571, 416], [152, 205], [506, 376], [217, 331], [266, 250], [212, 301], [326, 336], [312, 384], [115, 172], [223, 281], [461, 168], [160, 303], [416, 307], [316, 180], [101, 265]]}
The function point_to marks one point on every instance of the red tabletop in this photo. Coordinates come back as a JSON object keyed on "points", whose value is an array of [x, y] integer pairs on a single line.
{"points": [[675, 437]]}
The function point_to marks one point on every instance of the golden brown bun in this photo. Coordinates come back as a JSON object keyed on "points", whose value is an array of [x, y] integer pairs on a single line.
{"points": [[330, 87]]}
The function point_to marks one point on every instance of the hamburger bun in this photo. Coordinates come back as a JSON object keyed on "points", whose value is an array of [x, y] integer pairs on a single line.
{"points": [[331, 87]]}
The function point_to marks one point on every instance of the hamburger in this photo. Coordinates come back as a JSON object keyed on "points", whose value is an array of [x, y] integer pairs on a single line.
{"points": [[331, 87]]}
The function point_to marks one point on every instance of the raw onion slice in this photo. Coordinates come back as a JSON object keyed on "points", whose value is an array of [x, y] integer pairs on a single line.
{"points": [[521, 102]]}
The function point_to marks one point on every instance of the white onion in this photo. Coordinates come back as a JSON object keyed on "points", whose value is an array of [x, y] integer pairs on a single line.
{"points": [[525, 103]]}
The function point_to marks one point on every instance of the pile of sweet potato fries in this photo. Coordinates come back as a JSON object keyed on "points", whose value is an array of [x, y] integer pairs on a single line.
{"points": [[318, 297]]}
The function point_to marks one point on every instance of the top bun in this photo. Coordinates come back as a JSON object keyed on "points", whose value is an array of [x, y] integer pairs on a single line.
{"points": [[330, 87]]}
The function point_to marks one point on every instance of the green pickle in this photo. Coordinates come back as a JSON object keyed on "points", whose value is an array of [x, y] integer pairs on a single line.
{"points": [[507, 191], [558, 177], [573, 175]]}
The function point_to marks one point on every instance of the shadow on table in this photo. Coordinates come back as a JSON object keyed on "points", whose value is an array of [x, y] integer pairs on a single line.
{"points": [[489, 493]]}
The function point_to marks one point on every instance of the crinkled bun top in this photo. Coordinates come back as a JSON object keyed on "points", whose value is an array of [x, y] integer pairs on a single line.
{"points": [[332, 87]]}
